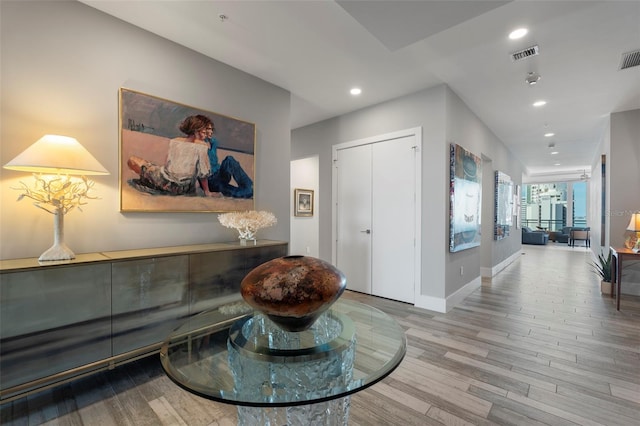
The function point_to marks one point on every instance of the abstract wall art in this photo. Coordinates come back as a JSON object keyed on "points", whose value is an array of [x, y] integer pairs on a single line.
{"points": [[503, 211], [465, 199]]}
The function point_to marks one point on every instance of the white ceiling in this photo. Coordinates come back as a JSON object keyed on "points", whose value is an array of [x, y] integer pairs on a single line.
{"points": [[318, 50]]}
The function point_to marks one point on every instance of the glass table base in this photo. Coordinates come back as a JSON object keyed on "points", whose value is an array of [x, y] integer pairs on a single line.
{"points": [[330, 413], [282, 366]]}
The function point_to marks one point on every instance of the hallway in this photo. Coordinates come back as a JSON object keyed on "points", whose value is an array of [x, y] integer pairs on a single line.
{"points": [[537, 344]]}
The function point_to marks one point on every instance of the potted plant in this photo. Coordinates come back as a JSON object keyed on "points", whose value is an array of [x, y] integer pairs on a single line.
{"points": [[602, 267]]}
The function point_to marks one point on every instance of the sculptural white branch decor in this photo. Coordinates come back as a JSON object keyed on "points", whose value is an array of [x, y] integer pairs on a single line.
{"points": [[247, 223], [54, 158], [58, 195]]}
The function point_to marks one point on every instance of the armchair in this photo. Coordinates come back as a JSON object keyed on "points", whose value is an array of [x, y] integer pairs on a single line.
{"points": [[565, 235], [534, 237]]}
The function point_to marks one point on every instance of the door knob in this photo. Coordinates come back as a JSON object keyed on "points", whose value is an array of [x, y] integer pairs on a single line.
{"points": [[366, 231]]}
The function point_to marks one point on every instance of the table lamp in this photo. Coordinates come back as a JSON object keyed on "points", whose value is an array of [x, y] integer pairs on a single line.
{"points": [[633, 241], [52, 159]]}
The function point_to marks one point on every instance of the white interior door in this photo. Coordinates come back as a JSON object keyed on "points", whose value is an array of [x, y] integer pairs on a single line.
{"points": [[353, 216], [376, 224], [393, 219]]}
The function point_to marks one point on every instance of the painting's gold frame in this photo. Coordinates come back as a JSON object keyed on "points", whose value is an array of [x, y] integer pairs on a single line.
{"points": [[303, 202], [147, 123]]}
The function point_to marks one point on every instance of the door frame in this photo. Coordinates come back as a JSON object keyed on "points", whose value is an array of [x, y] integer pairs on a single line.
{"points": [[416, 132]]}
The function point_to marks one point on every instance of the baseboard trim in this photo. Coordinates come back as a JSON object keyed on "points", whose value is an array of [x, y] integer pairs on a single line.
{"points": [[444, 305], [462, 293], [431, 303], [496, 269]]}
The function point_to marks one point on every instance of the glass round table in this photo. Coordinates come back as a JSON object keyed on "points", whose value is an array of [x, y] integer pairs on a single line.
{"points": [[235, 355]]}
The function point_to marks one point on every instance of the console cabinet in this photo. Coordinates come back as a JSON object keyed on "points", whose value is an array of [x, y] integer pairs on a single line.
{"points": [[59, 320]]}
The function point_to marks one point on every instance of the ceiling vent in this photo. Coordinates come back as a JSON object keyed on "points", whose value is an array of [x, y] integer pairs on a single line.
{"points": [[630, 59], [525, 53]]}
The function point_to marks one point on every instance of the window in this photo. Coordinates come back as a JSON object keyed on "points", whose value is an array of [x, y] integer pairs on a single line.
{"points": [[547, 205], [579, 204]]}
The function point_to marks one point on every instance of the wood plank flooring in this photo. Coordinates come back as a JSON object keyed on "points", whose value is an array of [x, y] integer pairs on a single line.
{"points": [[536, 345]]}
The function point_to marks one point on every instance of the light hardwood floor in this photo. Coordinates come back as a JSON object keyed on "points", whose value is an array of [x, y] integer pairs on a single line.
{"points": [[538, 344]]}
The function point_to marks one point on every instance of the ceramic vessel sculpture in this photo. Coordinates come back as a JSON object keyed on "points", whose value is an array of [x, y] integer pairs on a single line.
{"points": [[293, 291]]}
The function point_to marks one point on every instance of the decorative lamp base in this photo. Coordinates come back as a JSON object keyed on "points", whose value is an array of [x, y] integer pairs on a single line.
{"points": [[630, 239], [57, 252]]}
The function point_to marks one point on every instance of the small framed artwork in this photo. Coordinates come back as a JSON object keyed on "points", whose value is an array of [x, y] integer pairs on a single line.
{"points": [[303, 202], [503, 212]]}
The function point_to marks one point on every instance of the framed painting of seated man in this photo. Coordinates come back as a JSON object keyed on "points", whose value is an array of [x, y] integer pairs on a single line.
{"points": [[178, 158]]}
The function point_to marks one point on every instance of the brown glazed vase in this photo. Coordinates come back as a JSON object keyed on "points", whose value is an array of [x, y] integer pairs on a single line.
{"points": [[293, 290]]}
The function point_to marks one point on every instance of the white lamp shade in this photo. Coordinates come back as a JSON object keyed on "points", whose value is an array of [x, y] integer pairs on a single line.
{"points": [[634, 223], [57, 154]]}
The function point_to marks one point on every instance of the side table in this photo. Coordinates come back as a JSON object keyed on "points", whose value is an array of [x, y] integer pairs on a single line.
{"points": [[234, 355], [617, 257]]}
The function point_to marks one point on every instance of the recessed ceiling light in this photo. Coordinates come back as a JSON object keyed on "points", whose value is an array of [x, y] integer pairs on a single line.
{"points": [[548, 135], [519, 33], [557, 164], [539, 103], [554, 152], [355, 91]]}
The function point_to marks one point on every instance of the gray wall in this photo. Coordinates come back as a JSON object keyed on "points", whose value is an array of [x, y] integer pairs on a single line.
{"points": [[624, 186], [466, 129], [624, 172], [444, 119], [62, 66]]}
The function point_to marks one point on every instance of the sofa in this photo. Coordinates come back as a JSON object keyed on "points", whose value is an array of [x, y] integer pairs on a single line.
{"points": [[530, 236]]}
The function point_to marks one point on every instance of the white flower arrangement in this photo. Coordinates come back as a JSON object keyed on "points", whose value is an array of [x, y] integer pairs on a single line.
{"points": [[248, 222]]}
